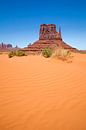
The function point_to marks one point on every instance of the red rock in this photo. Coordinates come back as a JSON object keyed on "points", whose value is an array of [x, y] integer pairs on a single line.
{"points": [[48, 37], [5, 47]]}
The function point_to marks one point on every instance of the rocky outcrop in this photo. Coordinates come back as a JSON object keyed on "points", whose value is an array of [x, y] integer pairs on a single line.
{"points": [[48, 37], [5, 47], [48, 32]]}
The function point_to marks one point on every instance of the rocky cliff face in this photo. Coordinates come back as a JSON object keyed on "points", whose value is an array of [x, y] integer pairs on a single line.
{"points": [[48, 32]]}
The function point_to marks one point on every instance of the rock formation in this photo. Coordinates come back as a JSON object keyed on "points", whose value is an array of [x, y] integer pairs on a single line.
{"points": [[48, 32], [5, 47], [48, 37]]}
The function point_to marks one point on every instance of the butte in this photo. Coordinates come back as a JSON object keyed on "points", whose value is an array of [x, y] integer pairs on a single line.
{"points": [[48, 37]]}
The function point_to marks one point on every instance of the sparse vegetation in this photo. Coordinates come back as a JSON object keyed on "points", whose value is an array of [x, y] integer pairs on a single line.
{"points": [[20, 53], [47, 52], [11, 54], [62, 54], [16, 53]]}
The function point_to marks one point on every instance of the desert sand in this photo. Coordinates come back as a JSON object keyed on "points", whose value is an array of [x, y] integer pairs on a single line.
{"points": [[37, 93]]}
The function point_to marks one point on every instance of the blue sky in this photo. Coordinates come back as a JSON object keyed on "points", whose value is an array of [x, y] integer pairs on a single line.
{"points": [[20, 20]]}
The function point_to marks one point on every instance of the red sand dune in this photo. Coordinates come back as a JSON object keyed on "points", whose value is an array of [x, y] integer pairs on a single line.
{"points": [[42, 94]]}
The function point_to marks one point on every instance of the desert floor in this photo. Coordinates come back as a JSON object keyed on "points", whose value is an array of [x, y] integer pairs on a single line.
{"points": [[42, 94]]}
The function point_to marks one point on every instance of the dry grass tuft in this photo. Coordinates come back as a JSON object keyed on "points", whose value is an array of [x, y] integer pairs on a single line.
{"points": [[62, 54]]}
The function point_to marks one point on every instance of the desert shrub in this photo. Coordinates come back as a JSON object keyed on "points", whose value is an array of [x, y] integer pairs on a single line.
{"points": [[20, 53], [47, 52], [62, 54], [11, 54], [16, 53]]}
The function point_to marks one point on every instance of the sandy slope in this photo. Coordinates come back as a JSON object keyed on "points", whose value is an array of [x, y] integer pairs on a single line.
{"points": [[42, 94]]}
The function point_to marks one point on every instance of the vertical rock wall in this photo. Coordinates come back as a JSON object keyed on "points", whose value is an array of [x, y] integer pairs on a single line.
{"points": [[48, 32]]}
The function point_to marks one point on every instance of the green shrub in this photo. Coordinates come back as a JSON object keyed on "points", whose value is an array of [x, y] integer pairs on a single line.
{"points": [[11, 54], [47, 52], [16, 53], [20, 53]]}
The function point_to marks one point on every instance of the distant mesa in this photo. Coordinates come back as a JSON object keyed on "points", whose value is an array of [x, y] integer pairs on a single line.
{"points": [[7, 47], [48, 37]]}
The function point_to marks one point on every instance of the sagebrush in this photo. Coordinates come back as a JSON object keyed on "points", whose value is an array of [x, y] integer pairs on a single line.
{"points": [[47, 52], [16, 53]]}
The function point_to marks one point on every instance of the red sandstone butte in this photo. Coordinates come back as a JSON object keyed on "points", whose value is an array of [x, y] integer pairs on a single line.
{"points": [[48, 37]]}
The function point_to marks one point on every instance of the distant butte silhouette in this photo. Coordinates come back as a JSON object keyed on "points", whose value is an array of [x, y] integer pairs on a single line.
{"points": [[5, 47], [48, 37]]}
